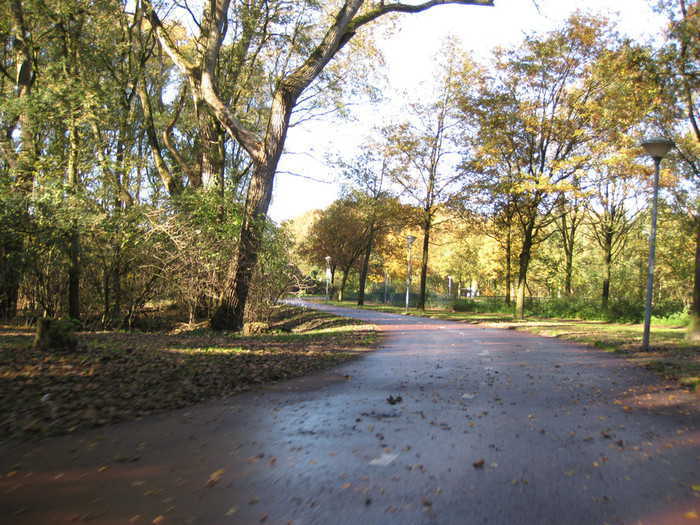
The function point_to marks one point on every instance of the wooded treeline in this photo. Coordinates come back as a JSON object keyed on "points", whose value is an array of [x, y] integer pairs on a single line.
{"points": [[140, 142], [524, 175]]}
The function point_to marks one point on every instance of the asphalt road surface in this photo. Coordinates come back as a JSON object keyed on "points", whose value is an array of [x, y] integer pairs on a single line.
{"points": [[446, 423]]}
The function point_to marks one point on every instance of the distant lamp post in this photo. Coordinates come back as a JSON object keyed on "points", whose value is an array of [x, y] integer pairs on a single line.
{"points": [[328, 277], [657, 148], [410, 239]]}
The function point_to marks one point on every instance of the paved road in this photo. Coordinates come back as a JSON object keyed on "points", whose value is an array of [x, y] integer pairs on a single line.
{"points": [[494, 426]]}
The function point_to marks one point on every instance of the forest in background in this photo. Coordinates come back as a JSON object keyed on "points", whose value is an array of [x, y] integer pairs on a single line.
{"points": [[138, 157], [523, 180]]}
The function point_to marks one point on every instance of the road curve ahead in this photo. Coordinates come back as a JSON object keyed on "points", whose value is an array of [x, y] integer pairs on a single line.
{"points": [[446, 423]]}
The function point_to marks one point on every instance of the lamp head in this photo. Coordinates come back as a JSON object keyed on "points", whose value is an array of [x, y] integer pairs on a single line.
{"points": [[657, 147], [410, 239]]}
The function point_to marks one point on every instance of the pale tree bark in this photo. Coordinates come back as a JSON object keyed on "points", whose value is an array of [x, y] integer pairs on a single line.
{"points": [[213, 154], [265, 149], [172, 183]]}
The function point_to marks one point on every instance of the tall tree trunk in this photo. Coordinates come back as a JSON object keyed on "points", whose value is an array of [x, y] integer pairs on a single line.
{"points": [[641, 277], [116, 279], [569, 269], [343, 282], [106, 296], [74, 272], [427, 223], [230, 313], [10, 274], [21, 160], [568, 225], [509, 271], [523, 264], [364, 270], [694, 332], [172, 183], [74, 268], [607, 260], [211, 158]]}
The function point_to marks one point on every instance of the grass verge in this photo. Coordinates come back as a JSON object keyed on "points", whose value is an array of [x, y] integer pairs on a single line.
{"points": [[117, 376]]}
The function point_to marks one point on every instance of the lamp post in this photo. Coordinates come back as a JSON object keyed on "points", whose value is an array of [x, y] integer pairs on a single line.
{"points": [[410, 240], [657, 148], [328, 277]]}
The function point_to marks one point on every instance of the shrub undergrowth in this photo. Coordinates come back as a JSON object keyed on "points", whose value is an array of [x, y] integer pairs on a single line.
{"points": [[669, 313]]}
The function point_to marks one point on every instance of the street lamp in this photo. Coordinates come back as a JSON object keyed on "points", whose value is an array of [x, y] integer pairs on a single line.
{"points": [[657, 148], [328, 277], [410, 240]]}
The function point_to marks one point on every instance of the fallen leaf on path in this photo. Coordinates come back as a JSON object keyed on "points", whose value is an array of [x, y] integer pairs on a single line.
{"points": [[215, 477], [479, 463], [692, 515], [231, 511], [158, 520], [384, 460]]}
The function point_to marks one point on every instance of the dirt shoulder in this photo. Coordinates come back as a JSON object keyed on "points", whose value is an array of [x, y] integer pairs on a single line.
{"points": [[118, 376]]}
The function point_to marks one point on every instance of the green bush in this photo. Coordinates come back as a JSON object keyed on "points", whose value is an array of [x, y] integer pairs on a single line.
{"points": [[675, 319], [624, 311], [56, 334], [482, 305], [465, 305]]}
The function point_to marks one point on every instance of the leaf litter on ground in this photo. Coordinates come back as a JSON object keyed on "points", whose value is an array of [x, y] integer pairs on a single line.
{"points": [[118, 376]]}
